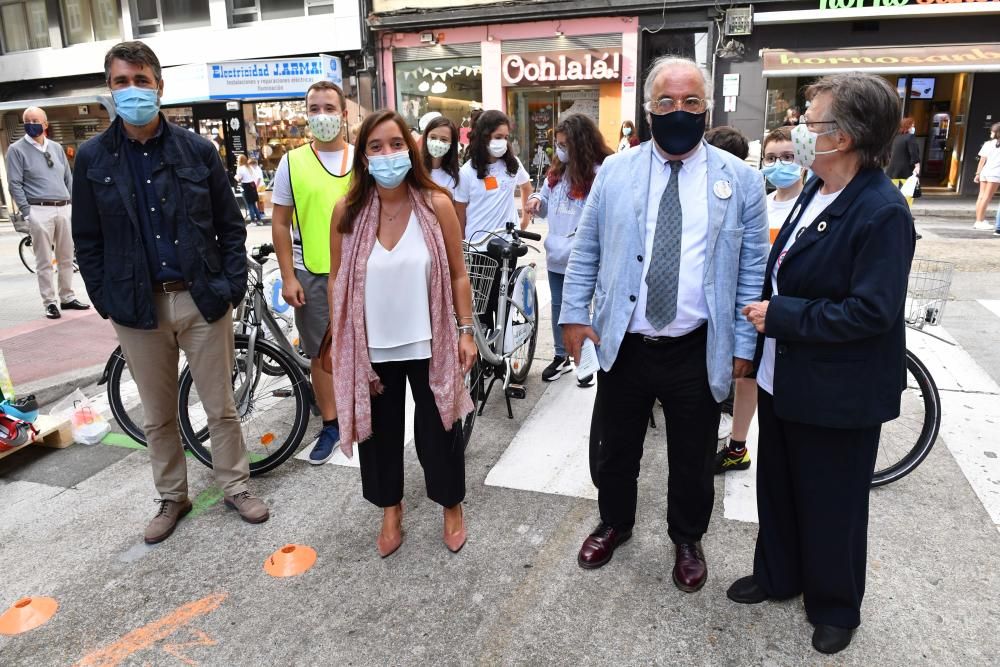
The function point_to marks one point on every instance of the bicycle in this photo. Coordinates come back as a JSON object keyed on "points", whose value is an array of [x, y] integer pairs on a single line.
{"points": [[906, 441], [267, 371], [507, 347], [26, 252]]}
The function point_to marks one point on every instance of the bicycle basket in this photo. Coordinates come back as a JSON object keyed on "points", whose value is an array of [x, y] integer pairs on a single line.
{"points": [[927, 291], [481, 269]]}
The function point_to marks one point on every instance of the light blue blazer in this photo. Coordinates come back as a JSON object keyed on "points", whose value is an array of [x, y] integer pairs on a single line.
{"points": [[604, 266]]}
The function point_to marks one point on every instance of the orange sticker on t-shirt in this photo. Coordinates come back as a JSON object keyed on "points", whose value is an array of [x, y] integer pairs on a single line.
{"points": [[491, 182]]}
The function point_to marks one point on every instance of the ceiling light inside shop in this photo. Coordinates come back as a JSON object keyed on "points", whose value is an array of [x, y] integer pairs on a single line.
{"points": [[439, 87]]}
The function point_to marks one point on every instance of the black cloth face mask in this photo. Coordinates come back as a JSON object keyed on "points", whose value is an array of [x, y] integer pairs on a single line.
{"points": [[678, 132]]}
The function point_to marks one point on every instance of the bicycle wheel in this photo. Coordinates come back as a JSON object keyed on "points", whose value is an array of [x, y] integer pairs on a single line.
{"points": [[907, 440], [123, 397], [273, 408], [521, 358], [474, 385], [27, 253]]}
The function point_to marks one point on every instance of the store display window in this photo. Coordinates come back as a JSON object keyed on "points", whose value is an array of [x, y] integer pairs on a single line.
{"points": [[452, 87]]}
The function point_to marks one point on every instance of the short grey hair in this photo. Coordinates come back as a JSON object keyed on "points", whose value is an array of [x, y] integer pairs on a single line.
{"points": [[867, 109], [38, 109], [665, 62]]}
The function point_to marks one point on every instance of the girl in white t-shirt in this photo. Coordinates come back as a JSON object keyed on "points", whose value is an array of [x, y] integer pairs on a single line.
{"points": [[484, 198], [988, 176], [439, 152], [780, 170]]}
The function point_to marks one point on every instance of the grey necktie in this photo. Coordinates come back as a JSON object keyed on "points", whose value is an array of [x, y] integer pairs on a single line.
{"points": [[665, 261]]}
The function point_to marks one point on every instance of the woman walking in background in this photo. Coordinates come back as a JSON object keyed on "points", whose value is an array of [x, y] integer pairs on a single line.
{"points": [[627, 136], [905, 158], [248, 184], [439, 153], [988, 177], [580, 151], [397, 286]]}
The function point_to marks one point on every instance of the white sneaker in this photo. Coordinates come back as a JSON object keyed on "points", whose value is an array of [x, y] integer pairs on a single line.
{"points": [[983, 226], [725, 426]]}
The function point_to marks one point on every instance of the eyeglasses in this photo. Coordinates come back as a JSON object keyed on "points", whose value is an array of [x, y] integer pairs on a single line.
{"points": [[666, 105], [48, 159], [784, 158]]}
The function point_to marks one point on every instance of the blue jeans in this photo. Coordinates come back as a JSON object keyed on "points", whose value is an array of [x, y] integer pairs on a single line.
{"points": [[556, 288], [998, 220], [250, 197]]}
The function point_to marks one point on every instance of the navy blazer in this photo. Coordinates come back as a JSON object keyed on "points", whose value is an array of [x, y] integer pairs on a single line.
{"points": [[838, 317]]}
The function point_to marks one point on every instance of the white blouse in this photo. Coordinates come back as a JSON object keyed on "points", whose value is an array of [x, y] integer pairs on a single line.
{"points": [[397, 302]]}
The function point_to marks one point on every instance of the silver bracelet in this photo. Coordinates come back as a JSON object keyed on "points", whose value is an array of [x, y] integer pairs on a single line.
{"points": [[467, 329]]}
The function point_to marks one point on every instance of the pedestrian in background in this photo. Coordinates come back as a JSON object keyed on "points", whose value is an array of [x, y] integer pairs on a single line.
{"points": [[398, 284], [258, 178], [988, 177], [248, 184], [830, 357], [730, 140], [580, 152], [791, 117], [904, 160], [439, 153], [627, 136], [40, 182], [162, 249], [671, 244], [308, 183]]}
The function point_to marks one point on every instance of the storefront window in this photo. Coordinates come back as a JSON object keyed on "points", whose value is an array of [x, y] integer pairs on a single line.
{"points": [[25, 25], [278, 128], [451, 86], [535, 114], [90, 20]]}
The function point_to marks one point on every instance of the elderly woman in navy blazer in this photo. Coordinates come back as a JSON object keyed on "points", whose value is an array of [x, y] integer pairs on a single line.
{"points": [[830, 357]]}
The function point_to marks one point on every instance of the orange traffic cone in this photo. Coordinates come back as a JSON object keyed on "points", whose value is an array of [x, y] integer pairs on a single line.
{"points": [[27, 614], [290, 560]]}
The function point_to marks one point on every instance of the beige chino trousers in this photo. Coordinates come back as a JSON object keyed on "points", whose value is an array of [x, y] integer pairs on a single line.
{"points": [[152, 356], [50, 228]]}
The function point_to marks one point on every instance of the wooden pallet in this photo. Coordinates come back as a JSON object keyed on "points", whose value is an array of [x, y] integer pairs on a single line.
{"points": [[53, 432]]}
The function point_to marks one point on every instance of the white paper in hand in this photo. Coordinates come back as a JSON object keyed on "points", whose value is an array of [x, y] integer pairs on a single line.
{"points": [[587, 364]]}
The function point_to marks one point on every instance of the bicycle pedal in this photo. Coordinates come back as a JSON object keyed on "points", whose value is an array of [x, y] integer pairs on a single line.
{"points": [[282, 393], [517, 391]]}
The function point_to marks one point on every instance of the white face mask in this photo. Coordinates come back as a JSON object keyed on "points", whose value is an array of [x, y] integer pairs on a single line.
{"points": [[804, 145], [498, 147], [325, 127], [563, 155], [913, 130], [438, 148]]}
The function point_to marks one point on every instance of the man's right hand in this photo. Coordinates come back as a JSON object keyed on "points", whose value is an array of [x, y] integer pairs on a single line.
{"points": [[573, 336], [292, 292]]}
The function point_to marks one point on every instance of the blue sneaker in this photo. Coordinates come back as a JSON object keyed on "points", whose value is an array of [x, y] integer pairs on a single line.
{"points": [[326, 445]]}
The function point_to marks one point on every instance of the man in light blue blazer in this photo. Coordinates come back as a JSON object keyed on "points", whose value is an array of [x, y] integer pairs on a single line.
{"points": [[671, 246]]}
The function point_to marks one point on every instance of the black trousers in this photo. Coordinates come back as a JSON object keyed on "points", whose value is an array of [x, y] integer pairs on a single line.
{"points": [[441, 453], [812, 500], [676, 373]]}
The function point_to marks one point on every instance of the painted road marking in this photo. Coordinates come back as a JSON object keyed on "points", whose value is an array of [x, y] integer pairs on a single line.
{"points": [[149, 635]]}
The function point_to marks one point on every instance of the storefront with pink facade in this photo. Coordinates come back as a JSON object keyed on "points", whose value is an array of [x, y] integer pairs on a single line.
{"points": [[536, 72]]}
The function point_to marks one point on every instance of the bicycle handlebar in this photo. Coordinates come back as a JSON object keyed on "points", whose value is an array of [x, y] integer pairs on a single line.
{"points": [[531, 236]]}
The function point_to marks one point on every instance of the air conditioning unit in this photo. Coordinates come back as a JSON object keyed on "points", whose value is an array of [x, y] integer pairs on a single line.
{"points": [[739, 22], [427, 38]]}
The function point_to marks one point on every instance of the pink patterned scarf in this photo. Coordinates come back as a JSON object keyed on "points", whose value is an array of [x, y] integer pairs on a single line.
{"points": [[354, 379]]}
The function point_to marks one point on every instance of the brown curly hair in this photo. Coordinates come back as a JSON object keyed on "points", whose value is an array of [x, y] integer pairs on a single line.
{"points": [[586, 148]]}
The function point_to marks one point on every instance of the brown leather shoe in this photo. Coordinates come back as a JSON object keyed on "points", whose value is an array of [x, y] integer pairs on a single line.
{"points": [[251, 508], [600, 546], [163, 524], [690, 569]]}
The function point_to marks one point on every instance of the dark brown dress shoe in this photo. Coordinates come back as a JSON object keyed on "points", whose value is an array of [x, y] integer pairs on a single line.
{"points": [[690, 569], [831, 639], [600, 546]]}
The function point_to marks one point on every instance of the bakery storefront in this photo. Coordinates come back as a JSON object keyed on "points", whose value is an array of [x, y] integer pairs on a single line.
{"points": [[944, 63]]}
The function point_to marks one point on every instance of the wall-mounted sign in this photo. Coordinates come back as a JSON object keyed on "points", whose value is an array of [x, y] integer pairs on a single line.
{"points": [[924, 59], [275, 78], [861, 4], [567, 67]]}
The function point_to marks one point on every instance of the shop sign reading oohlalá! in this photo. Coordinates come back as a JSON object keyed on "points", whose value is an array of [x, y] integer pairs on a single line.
{"points": [[861, 4], [571, 66]]}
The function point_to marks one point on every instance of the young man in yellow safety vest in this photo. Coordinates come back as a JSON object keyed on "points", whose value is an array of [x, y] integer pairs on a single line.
{"points": [[309, 182]]}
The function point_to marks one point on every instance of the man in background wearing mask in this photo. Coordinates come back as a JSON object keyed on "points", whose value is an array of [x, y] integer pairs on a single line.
{"points": [[161, 246], [309, 181], [671, 245], [40, 180]]}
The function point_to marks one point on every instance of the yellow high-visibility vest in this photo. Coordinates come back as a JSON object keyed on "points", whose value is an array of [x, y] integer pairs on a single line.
{"points": [[315, 191]]}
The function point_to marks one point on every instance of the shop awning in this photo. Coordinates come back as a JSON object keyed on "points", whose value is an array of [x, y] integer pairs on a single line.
{"points": [[887, 60], [75, 100]]}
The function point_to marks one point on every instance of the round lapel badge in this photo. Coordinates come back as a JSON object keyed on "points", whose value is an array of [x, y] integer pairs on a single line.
{"points": [[821, 227], [723, 190]]}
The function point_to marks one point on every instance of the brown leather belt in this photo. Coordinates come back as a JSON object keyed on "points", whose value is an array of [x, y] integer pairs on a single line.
{"points": [[168, 287], [64, 202]]}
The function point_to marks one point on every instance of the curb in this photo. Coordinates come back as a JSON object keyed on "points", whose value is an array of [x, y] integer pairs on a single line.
{"points": [[950, 213], [51, 389]]}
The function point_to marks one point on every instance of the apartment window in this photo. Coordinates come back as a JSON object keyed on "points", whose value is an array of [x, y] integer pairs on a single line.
{"points": [[25, 25], [251, 11], [90, 20], [152, 16]]}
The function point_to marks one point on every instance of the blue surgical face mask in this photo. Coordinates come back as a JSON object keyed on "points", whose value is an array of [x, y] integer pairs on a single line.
{"points": [[137, 106], [389, 170], [626, 130], [34, 130], [783, 175]]}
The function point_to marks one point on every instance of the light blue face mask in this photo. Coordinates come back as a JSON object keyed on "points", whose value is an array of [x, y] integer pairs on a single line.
{"points": [[136, 106], [782, 175], [389, 170]]}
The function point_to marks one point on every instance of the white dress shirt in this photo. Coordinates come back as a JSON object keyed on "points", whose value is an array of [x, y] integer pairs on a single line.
{"points": [[692, 310]]}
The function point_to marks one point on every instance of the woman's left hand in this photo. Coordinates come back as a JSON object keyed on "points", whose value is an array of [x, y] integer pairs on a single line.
{"points": [[467, 352], [756, 313]]}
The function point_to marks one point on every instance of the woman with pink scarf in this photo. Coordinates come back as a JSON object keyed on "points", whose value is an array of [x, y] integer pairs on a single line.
{"points": [[401, 310]]}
